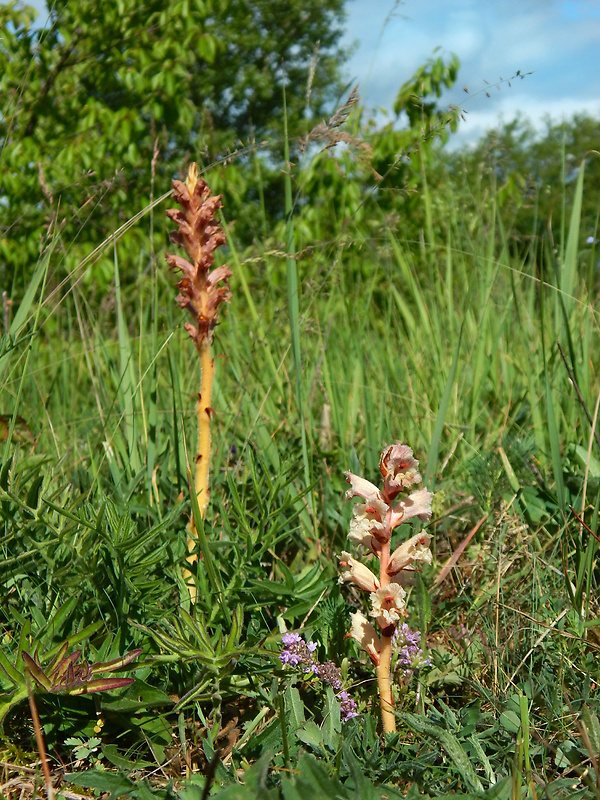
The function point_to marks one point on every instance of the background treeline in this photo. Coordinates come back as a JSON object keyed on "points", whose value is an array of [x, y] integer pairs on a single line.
{"points": [[109, 101]]}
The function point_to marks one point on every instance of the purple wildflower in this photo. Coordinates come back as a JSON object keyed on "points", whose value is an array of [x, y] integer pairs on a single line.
{"points": [[330, 675], [291, 638], [410, 653], [296, 652], [349, 707], [408, 636]]}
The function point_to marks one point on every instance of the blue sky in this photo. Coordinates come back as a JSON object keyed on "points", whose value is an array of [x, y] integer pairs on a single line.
{"points": [[557, 40]]}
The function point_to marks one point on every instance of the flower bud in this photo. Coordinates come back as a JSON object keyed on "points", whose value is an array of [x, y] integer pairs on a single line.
{"points": [[399, 469]]}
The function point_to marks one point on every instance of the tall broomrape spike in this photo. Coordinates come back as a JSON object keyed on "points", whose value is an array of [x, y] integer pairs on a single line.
{"points": [[202, 290]]}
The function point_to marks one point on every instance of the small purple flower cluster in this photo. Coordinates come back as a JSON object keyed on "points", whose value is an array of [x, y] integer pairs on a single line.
{"points": [[298, 653], [410, 654]]}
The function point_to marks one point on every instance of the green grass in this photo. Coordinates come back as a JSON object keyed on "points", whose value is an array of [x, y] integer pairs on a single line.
{"points": [[449, 345]]}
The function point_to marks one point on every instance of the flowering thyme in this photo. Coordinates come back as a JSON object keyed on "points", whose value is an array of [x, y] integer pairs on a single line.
{"points": [[298, 653], [410, 653]]}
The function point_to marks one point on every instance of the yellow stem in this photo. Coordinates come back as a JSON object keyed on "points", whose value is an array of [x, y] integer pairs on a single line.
{"points": [[204, 411], [385, 656], [201, 477], [385, 690]]}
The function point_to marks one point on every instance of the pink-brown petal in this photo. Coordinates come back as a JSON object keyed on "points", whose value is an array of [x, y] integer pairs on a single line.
{"points": [[414, 549], [417, 504], [365, 634], [358, 573], [360, 487]]}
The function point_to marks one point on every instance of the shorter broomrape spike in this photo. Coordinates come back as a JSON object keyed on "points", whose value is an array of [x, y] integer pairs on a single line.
{"points": [[372, 525], [201, 292]]}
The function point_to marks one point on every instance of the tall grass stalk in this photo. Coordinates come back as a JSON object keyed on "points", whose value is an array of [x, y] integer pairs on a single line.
{"points": [[292, 293]]}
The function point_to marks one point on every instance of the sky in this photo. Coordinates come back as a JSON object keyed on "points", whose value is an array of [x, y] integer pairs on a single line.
{"points": [[558, 41]]}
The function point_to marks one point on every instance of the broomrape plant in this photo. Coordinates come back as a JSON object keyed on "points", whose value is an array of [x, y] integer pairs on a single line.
{"points": [[373, 522], [202, 290]]}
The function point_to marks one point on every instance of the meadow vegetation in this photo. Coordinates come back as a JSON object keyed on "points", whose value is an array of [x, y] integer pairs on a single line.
{"points": [[383, 290]]}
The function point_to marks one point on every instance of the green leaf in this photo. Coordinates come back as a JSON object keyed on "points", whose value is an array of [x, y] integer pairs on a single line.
{"points": [[36, 672], [588, 461], [332, 724], [15, 676], [363, 787], [291, 792], [115, 784], [311, 735], [294, 708], [255, 783], [450, 744], [510, 721], [112, 755], [440, 421], [591, 725], [570, 267], [499, 791]]}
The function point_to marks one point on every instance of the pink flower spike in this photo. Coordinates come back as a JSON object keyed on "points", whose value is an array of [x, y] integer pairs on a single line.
{"points": [[366, 635], [360, 487], [358, 573], [399, 469], [415, 549]]}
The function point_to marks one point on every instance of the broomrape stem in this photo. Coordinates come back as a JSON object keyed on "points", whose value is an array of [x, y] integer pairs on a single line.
{"points": [[385, 690], [201, 476], [204, 412], [385, 657]]}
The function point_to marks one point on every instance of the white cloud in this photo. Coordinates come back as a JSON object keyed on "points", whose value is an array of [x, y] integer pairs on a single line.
{"points": [[557, 40], [482, 120]]}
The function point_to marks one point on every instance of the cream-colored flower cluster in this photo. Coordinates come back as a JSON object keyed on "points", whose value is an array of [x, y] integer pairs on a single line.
{"points": [[373, 522]]}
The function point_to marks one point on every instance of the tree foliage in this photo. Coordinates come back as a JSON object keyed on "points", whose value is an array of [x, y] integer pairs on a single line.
{"points": [[379, 174], [533, 176], [110, 95]]}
